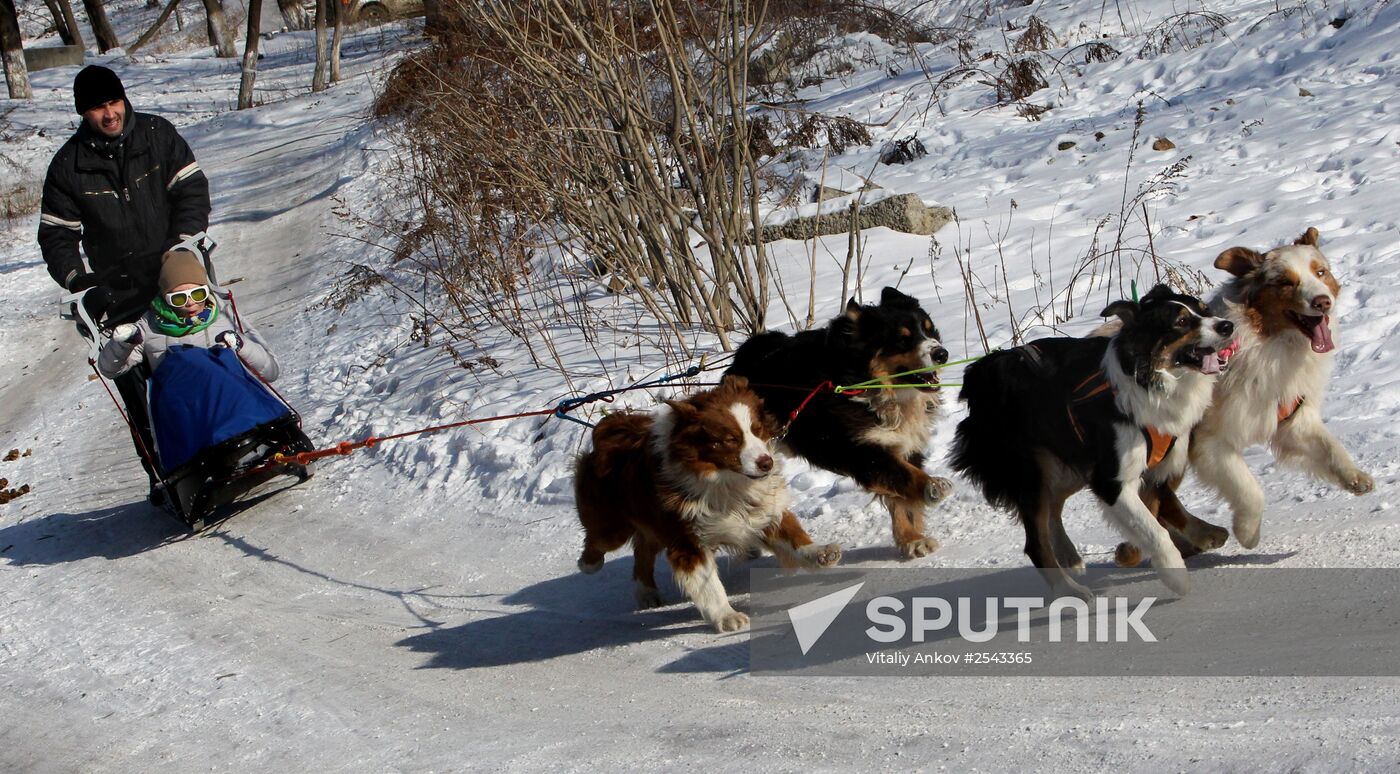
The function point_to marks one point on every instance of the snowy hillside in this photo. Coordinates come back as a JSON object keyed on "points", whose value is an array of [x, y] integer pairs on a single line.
{"points": [[416, 606]]}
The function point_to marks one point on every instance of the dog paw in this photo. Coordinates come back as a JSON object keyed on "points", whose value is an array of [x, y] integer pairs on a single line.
{"points": [[828, 555], [1359, 483], [1247, 533], [1175, 579], [588, 568], [938, 490], [646, 596], [1210, 537], [1127, 555], [914, 549], [1067, 587], [731, 621]]}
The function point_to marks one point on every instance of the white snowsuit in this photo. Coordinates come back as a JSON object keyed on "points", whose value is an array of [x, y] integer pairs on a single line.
{"points": [[118, 357]]}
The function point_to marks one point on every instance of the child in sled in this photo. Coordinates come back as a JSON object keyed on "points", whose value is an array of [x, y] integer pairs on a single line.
{"points": [[207, 373], [185, 313]]}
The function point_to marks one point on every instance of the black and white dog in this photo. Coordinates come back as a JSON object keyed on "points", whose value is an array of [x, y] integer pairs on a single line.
{"points": [[1051, 417], [877, 437]]}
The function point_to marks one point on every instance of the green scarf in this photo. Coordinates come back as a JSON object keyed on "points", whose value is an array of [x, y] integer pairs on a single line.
{"points": [[172, 323]]}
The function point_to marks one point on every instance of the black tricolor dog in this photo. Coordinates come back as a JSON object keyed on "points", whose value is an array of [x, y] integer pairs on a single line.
{"points": [[1048, 418], [877, 437]]}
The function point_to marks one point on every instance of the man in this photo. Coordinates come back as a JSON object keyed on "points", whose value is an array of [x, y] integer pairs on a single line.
{"points": [[126, 187]]}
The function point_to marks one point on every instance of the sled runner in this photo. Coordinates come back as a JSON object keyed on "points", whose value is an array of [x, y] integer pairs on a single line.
{"points": [[216, 424]]}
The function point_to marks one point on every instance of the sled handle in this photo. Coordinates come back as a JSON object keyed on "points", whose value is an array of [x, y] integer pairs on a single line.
{"points": [[71, 308]]}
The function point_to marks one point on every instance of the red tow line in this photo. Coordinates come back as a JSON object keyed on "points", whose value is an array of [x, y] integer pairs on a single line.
{"points": [[827, 385], [345, 447]]}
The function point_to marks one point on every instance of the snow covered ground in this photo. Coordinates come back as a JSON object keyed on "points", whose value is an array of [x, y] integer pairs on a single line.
{"points": [[416, 606]]}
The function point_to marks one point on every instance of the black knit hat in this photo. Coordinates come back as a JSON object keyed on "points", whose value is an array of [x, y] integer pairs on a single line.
{"points": [[96, 85]]}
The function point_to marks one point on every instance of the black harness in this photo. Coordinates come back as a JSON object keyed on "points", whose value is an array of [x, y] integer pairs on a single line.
{"points": [[1095, 387]]}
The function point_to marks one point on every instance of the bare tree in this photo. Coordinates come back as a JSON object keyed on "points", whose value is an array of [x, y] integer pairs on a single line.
{"points": [[65, 22], [338, 11], [217, 25], [101, 28], [16, 74], [617, 133], [318, 77], [294, 14], [154, 28], [250, 55]]}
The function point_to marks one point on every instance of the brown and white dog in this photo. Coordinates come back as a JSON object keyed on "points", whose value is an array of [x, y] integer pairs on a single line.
{"points": [[1282, 303], [694, 478]]}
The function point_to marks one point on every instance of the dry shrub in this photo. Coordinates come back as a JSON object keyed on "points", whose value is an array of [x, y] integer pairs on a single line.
{"points": [[798, 31], [842, 17], [1183, 31], [839, 132], [353, 285], [1037, 37], [19, 201], [416, 75], [1096, 51], [595, 131], [1022, 77]]}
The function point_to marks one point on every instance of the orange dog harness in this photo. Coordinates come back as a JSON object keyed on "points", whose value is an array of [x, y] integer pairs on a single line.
{"points": [[1159, 444]]}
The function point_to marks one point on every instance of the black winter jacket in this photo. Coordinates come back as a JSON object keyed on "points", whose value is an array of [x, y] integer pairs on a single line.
{"points": [[127, 202]]}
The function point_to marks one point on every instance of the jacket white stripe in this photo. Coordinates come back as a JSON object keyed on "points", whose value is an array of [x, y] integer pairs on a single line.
{"points": [[188, 170], [54, 220]]}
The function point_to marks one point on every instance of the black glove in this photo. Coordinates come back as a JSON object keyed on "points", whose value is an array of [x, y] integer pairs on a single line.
{"points": [[97, 301], [83, 281], [230, 339]]}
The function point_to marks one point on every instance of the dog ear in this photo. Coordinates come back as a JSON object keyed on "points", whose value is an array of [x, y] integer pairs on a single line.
{"points": [[891, 297], [734, 382], [683, 408], [1160, 290], [1308, 238], [852, 310], [1240, 261], [1123, 310]]}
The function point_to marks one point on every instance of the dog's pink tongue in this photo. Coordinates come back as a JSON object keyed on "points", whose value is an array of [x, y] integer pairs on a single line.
{"points": [[1322, 337], [1210, 364]]}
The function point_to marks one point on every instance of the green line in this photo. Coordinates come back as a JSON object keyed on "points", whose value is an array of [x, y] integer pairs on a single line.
{"points": [[875, 383], [855, 388]]}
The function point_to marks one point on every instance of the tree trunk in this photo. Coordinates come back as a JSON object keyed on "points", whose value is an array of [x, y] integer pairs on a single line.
{"points": [[435, 20], [66, 8], [64, 23], [318, 78], [101, 28], [151, 33], [339, 10], [217, 24], [294, 15], [16, 74], [250, 55]]}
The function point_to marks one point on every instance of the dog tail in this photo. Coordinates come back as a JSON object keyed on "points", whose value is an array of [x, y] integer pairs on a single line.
{"points": [[988, 447]]}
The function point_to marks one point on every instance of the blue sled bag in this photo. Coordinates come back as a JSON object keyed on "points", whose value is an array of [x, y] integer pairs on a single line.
{"points": [[202, 397]]}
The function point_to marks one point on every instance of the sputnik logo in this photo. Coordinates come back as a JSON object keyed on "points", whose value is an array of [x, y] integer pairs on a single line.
{"points": [[810, 620]]}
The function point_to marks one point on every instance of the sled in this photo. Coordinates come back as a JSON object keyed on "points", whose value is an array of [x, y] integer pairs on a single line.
{"points": [[218, 427]]}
